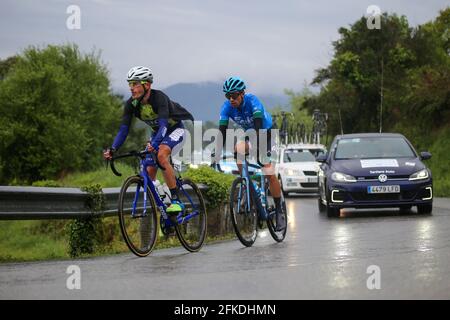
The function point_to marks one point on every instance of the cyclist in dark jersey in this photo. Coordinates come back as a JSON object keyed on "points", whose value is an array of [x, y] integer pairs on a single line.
{"points": [[247, 111], [164, 117]]}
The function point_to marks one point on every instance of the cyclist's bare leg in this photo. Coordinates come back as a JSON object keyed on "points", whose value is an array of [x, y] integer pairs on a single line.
{"points": [[241, 148], [163, 158], [268, 170], [275, 191], [274, 184], [152, 172]]}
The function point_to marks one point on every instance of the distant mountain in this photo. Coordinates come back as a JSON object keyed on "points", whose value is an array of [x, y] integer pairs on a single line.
{"points": [[204, 99]]}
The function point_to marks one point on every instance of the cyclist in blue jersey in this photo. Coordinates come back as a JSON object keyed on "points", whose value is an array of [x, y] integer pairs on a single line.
{"points": [[164, 117], [247, 111]]}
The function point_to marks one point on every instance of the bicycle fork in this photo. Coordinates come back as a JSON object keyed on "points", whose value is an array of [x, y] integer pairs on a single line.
{"points": [[240, 198], [136, 199]]}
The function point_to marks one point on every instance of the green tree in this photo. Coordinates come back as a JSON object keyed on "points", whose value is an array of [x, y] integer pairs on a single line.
{"points": [[423, 95], [57, 113], [6, 65], [408, 66], [352, 81]]}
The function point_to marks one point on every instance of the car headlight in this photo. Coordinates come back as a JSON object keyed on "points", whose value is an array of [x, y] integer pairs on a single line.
{"points": [[342, 177], [419, 175], [291, 172]]}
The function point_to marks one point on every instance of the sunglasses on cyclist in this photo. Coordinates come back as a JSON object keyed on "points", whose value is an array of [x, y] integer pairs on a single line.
{"points": [[232, 95], [132, 84]]}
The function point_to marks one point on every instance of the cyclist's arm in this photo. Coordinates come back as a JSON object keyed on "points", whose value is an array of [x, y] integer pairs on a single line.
{"points": [[124, 129], [223, 125]]}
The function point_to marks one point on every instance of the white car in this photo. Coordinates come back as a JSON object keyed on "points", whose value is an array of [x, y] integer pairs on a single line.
{"points": [[297, 167]]}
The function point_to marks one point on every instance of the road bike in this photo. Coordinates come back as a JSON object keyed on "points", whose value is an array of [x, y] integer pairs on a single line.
{"points": [[138, 204], [251, 204]]}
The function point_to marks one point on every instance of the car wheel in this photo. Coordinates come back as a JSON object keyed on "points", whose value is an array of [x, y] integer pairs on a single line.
{"points": [[322, 207], [333, 212], [425, 208]]}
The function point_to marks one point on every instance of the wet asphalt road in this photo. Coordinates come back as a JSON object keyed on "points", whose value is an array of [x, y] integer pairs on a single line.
{"points": [[321, 258]]}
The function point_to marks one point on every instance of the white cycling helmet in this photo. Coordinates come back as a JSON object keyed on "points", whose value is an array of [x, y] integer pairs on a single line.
{"points": [[140, 74]]}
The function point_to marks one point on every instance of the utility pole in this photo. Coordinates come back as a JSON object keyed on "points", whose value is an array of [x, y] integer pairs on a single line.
{"points": [[381, 94]]}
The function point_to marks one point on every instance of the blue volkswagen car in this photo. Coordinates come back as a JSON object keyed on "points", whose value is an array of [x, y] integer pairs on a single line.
{"points": [[374, 170]]}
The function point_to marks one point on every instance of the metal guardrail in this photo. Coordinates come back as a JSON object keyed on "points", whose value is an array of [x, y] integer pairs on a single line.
{"points": [[33, 203]]}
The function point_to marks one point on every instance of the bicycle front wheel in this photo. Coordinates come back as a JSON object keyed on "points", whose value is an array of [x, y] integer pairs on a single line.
{"points": [[278, 236], [138, 227], [191, 227], [243, 212]]}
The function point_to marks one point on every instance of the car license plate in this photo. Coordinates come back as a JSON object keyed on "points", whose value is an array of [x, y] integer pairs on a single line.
{"points": [[383, 189], [312, 179]]}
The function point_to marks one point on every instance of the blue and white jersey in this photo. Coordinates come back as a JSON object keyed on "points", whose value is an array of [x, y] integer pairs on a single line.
{"points": [[243, 116]]}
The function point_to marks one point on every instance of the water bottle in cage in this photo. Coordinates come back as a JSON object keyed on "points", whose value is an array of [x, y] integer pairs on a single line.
{"points": [[163, 191]]}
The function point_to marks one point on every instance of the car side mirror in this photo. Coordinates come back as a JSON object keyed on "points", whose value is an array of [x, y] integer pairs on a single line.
{"points": [[425, 155], [322, 158]]}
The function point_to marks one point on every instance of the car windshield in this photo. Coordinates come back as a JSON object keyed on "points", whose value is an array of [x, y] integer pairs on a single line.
{"points": [[317, 152], [298, 155], [373, 147]]}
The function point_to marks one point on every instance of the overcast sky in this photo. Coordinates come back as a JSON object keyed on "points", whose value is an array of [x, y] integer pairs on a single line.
{"points": [[271, 44]]}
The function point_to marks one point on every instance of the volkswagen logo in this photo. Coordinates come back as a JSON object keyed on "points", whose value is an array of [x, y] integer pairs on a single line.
{"points": [[382, 178]]}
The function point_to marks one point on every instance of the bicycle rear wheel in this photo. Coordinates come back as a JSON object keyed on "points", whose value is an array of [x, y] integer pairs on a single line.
{"points": [[243, 214], [138, 228], [191, 231], [278, 236]]}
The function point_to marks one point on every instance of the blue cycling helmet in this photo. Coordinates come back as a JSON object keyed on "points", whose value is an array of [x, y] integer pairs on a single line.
{"points": [[233, 84]]}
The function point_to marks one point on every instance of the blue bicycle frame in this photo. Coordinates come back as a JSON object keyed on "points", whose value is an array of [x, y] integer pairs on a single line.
{"points": [[260, 199], [148, 183]]}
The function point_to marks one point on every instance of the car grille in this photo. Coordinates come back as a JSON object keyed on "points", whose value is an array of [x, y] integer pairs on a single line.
{"points": [[310, 173], [310, 185], [375, 178], [363, 196]]}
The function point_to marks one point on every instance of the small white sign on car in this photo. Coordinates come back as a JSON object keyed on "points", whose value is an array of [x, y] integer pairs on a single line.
{"points": [[377, 163]]}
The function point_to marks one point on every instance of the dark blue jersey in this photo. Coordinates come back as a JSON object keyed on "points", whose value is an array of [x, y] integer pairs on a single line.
{"points": [[160, 113]]}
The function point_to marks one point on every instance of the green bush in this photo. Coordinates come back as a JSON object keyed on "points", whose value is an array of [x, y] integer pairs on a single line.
{"points": [[440, 163], [86, 234], [219, 184], [81, 233], [57, 113]]}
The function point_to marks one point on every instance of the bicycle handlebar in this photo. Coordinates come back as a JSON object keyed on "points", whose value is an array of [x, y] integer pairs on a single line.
{"points": [[138, 154]]}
